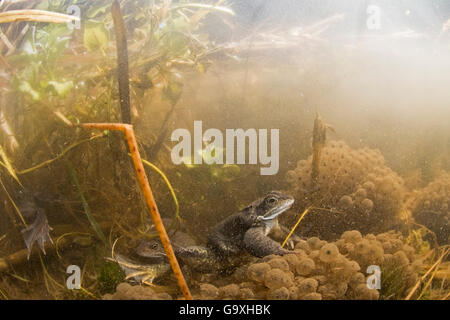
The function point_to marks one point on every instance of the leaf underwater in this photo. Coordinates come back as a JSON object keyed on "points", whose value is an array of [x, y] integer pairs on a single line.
{"points": [[95, 36], [61, 87], [38, 231], [26, 87], [7, 164]]}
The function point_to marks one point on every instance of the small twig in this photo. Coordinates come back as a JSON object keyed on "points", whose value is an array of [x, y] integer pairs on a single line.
{"points": [[89, 293], [162, 133], [4, 63], [416, 286], [16, 276], [13, 145], [36, 15], [204, 6], [18, 39], [63, 118], [3, 295], [332, 210], [295, 226], [13, 203], [427, 284], [7, 164], [6, 41]]}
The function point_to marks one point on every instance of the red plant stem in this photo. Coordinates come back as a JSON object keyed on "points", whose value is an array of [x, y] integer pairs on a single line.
{"points": [[148, 194]]}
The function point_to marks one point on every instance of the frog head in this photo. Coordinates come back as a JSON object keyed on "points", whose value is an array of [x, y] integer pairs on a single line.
{"points": [[272, 205]]}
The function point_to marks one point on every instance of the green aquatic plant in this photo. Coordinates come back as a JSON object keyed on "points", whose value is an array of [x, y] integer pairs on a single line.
{"points": [[86, 207], [96, 36], [393, 275], [214, 172], [424, 283], [41, 76], [109, 277], [416, 239], [70, 74]]}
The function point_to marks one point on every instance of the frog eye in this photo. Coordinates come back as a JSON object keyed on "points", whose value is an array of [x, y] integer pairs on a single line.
{"points": [[272, 200]]}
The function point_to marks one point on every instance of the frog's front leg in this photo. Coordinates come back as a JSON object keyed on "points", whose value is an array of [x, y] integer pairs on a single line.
{"points": [[259, 245], [222, 247], [280, 233]]}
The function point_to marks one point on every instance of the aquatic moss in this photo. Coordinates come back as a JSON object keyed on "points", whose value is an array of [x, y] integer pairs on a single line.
{"points": [[109, 277]]}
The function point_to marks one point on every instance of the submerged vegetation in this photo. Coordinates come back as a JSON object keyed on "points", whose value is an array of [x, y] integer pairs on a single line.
{"points": [[76, 198], [165, 41]]}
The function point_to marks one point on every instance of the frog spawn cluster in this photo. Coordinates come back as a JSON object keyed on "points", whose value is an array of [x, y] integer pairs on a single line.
{"points": [[318, 269], [387, 250], [432, 207], [126, 291], [359, 190]]}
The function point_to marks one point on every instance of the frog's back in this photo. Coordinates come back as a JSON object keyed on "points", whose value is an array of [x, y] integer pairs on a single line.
{"points": [[226, 238]]}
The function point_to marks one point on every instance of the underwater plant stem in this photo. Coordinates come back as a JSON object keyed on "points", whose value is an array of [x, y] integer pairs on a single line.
{"points": [[4, 63], [36, 15], [122, 62], [216, 7], [47, 162], [148, 194], [88, 293], [427, 284], [435, 240], [14, 259], [65, 235], [5, 297], [47, 275], [318, 143], [169, 185], [13, 144], [7, 164], [87, 210], [416, 286], [162, 134], [295, 226], [13, 203]]}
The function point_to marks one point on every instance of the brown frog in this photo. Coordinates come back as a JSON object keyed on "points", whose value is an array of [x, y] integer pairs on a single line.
{"points": [[245, 231]]}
